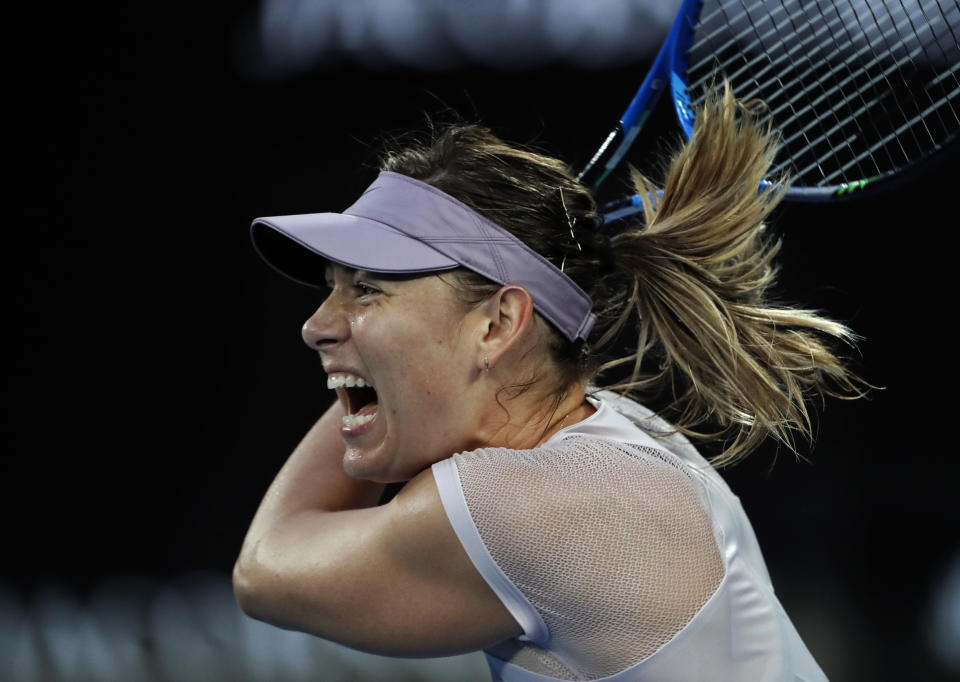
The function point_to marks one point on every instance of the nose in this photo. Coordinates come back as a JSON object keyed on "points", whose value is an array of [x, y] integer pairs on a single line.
{"points": [[326, 327]]}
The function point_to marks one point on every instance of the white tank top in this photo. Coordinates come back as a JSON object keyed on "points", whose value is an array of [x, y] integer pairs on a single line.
{"points": [[623, 555]]}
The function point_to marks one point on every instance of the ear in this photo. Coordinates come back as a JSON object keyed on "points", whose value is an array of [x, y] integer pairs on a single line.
{"points": [[507, 317]]}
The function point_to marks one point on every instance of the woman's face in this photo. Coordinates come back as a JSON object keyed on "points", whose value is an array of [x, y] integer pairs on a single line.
{"points": [[408, 337]]}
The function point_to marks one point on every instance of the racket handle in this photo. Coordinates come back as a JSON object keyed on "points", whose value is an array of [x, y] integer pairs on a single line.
{"points": [[596, 170]]}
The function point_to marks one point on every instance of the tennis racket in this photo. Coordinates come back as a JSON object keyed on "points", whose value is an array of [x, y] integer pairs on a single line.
{"points": [[863, 92]]}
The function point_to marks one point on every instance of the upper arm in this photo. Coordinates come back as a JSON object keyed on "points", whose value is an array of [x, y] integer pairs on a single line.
{"points": [[392, 579]]}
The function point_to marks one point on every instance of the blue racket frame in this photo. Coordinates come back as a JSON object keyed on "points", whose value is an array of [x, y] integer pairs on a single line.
{"points": [[667, 70], [670, 69]]}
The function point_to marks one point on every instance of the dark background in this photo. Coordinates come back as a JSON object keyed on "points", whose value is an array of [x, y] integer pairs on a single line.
{"points": [[155, 379]]}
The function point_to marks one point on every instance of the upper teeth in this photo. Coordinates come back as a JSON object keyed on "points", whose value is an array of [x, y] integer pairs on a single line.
{"points": [[348, 380]]}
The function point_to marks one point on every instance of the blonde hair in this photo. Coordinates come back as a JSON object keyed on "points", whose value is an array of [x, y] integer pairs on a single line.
{"points": [[693, 274]]}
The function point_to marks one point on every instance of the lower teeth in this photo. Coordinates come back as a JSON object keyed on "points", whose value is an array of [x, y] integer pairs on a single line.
{"points": [[352, 420]]}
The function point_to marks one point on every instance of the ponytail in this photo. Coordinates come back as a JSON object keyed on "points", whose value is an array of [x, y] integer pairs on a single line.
{"points": [[699, 273]]}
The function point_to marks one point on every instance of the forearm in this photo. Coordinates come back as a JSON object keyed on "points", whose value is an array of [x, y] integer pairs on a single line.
{"points": [[311, 481]]}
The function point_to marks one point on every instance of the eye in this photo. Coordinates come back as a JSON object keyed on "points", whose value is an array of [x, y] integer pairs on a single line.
{"points": [[366, 289]]}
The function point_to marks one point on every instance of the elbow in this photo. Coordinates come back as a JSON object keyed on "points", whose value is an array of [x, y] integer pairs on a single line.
{"points": [[265, 591], [248, 587], [273, 584], [269, 592]]}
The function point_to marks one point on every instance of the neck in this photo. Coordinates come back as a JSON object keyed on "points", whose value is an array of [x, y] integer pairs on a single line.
{"points": [[531, 418]]}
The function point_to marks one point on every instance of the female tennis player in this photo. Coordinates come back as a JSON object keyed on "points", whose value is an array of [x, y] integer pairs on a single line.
{"points": [[568, 532]]}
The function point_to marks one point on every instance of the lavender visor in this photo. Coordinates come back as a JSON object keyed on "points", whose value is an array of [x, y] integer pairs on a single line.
{"points": [[402, 225]]}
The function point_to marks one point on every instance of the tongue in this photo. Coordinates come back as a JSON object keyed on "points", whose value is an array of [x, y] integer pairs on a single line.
{"points": [[369, 408]]}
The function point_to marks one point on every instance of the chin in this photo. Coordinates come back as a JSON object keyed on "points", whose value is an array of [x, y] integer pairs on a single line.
{"points": [[360, 464], [375, 467], [367, 466]]}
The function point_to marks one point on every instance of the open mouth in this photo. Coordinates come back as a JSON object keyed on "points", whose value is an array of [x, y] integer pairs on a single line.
{"points": [[358, 397]]}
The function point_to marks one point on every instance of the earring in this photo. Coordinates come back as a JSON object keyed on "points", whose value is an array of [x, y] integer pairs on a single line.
{"points": [[486, 364]]}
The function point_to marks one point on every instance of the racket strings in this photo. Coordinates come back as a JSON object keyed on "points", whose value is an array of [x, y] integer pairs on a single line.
{"points": [[911, 123], [950, 26], [888, 88], [856, 89], [910, 57], [858, 99], [809, 81], [939, 81], [896, 135], [794, 114], [788, 57], [929, 120], [856, 106]]}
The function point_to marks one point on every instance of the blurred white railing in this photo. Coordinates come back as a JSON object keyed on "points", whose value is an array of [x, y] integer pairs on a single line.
{"points": [[138, 630]]}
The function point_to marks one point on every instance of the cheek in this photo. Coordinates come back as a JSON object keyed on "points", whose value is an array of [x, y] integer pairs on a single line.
{"points": [[427, 371], [360, 317], [416, 351]]}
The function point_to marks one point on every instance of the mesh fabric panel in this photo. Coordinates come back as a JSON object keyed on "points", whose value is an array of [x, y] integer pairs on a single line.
{"points": [[533, 658], [611, 543]]}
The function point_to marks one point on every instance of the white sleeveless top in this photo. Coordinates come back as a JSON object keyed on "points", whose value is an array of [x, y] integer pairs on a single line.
{"points": [[622, 555]]}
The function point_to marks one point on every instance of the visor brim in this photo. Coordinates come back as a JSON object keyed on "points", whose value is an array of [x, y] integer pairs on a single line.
{"points": [[298, 246]]}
